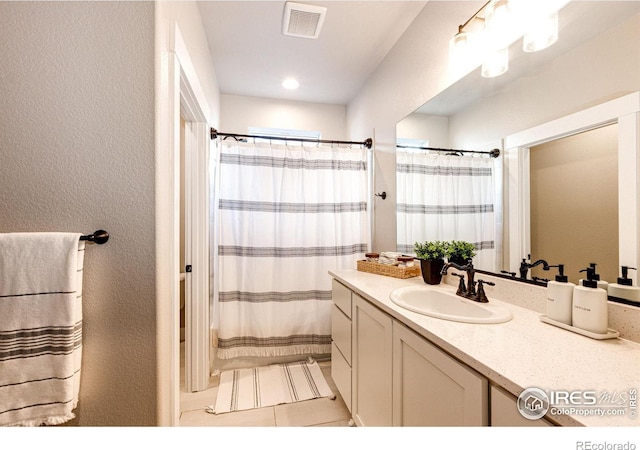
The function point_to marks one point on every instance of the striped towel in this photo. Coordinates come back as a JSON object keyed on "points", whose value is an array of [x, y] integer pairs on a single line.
{"points": [[40, 327]]}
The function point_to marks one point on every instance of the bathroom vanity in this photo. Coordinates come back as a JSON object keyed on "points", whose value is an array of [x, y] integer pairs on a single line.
{"points": [[396, 367]]}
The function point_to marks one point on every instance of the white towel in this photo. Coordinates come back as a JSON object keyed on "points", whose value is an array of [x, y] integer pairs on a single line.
{"points": [[389, 258], [40, 327]]}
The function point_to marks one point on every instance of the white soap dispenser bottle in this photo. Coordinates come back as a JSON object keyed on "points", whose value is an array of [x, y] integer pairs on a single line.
{"points": [[590, 307], [624, 287], [560, 297]]}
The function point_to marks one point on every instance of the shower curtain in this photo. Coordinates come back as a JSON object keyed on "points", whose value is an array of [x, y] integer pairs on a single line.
{"points": [[287, 215], [446, 197]]}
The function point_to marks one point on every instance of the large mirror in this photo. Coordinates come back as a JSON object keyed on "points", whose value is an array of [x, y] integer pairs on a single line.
{"points": [[538, 212]]}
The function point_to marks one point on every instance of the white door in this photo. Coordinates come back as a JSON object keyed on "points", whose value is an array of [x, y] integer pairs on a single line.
{"points": [[196, 256]]}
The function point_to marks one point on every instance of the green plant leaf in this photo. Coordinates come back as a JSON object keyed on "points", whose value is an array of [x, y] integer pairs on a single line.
{"points": [[431, 249]]}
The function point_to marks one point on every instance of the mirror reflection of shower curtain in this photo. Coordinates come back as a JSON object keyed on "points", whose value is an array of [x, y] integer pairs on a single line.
{"points": [[443, 197], [287, 215]]}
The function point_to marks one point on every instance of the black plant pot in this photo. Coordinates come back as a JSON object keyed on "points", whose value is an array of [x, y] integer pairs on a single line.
{"points": [[431, 270], [458, 260]]}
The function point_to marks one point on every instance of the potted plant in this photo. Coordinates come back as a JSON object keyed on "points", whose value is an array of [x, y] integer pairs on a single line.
{"points": [[431, 255], [460, 252]]}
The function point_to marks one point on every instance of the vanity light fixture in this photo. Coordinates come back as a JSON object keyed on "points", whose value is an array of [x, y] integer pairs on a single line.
{"points": [[495, 63], [498, 23], [463, 51]]}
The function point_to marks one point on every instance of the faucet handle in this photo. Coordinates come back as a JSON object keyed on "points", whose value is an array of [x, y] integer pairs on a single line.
{"points": [[481, 296], [462, 287]]}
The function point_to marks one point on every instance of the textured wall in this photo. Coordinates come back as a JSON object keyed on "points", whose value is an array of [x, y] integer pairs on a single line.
{"points": [[77, 154]]}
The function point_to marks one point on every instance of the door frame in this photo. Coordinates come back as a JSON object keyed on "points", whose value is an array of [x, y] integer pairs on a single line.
{"points": [[625, 111], [179, 93]]}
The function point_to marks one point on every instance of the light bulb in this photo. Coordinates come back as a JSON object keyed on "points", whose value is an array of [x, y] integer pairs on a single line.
{"points": [[499, 27], [495, 63], [462, 52], [542, 33], [290, 83]]}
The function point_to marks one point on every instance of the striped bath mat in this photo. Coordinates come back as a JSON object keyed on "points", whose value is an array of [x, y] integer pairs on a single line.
{"points": [[242, 389]]}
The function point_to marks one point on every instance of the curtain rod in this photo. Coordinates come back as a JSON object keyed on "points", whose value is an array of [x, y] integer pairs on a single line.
{"points": [[367, 143], [493, 153]]}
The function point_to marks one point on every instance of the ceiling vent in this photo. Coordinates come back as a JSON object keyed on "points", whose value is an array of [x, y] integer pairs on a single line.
{"points": [[303, 21]]}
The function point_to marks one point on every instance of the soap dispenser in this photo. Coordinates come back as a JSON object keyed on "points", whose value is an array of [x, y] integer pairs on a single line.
{"points": [[624, 287], [560, 297], [590, 308], [596, 276]]}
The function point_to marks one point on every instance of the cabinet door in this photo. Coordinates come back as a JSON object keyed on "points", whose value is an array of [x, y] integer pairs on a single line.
{"points": [[371, 363], [504, 411], [341, 332], [341, 374], [430, 388], [341, 296]]}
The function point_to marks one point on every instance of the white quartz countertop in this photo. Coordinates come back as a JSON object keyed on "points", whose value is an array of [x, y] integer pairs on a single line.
{"points": [[523, 352]]}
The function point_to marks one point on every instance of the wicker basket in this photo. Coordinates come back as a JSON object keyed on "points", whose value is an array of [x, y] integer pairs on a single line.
{"points": [[389, 270]]}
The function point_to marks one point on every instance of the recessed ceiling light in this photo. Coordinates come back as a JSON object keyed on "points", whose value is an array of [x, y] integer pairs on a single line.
{"points": [[290, 83]]}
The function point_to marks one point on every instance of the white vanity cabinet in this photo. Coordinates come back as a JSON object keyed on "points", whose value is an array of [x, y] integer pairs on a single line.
{"points": [[430, 388], [398, 378], [504, 411], [341, 340], [372, 365]]}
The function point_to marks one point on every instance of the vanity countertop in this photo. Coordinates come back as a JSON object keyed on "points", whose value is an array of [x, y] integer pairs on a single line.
{"points": [[522, 353]]}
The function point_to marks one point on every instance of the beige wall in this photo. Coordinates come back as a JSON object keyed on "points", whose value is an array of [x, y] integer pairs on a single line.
{"points": [[77, 154], [424, 126], [240, 112], [574, 203]]}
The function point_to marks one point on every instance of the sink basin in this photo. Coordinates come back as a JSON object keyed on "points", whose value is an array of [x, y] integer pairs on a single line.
{"points": [[444, 304]]}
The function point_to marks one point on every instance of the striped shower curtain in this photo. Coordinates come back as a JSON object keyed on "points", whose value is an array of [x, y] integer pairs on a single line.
{"points": [[287, 215], [446, 197]]}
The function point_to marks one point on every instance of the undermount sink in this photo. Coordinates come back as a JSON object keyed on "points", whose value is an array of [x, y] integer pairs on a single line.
{"points": [[442, 303]]}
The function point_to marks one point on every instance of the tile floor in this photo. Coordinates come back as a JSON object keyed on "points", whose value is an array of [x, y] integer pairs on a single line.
{"points": [[321, 412]]}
